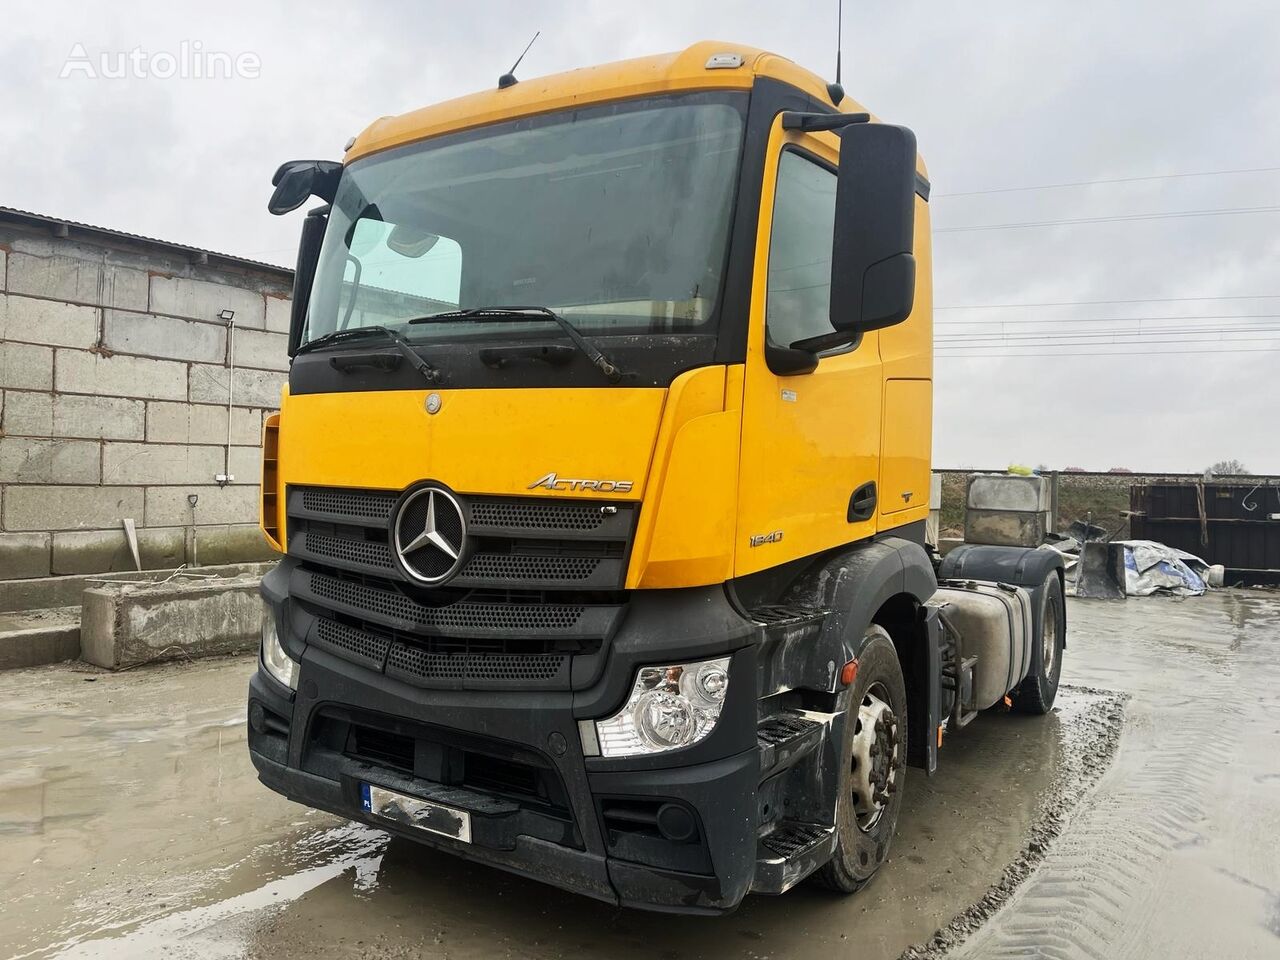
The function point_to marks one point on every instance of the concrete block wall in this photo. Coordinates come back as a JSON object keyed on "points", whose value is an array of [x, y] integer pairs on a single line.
{"points": [[114, 369]]}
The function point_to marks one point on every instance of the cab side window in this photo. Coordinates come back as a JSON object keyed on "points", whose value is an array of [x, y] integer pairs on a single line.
{"points": [[804, 213]]}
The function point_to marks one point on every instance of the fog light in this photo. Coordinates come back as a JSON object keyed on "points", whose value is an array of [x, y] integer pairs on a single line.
{"points": [[669, 708], [277, 663]]}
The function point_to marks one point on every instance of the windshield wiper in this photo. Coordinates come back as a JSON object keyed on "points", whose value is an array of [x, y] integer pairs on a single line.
{"points": [[598, 359], [429, 373]]}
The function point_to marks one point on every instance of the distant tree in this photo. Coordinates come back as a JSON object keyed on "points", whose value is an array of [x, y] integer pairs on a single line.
{"points": [[1073, 470], [1119, 470], [1228, 468]]}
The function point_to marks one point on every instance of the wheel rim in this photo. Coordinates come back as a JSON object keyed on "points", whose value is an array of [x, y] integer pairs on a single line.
{"points": [[876, 761], [1049, 641]]}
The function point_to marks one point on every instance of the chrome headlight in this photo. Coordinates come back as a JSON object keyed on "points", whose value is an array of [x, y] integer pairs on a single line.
{"points": [[670, 707], [278, 663]]}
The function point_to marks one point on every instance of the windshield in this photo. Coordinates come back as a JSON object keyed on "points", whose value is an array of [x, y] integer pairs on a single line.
{"points": [[616, 216]]}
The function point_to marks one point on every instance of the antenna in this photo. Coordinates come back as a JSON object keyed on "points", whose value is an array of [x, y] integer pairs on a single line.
{"points": [[834, 90], [508, 79]]}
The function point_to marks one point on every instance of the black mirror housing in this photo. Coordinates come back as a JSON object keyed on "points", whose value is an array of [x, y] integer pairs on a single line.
{"points": [[873, 267], [297, 180]]}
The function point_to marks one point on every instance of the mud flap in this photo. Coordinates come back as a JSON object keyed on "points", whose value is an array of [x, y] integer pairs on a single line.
{"points": [[924, 694]]}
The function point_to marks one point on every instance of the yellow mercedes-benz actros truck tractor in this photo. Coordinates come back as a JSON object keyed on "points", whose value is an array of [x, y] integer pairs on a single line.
{"points": [[601, 479]]}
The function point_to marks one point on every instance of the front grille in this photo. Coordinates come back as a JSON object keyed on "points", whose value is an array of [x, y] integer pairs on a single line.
{"points": [[541, 583], [452, 662], [542, 544], [352, 644], [537, 515], [367, 553], [411, 663], [392, 605], [488, 566], [372, 504]]}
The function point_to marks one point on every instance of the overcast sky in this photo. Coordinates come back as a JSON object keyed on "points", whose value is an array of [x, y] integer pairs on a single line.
{"points": [[1001, 95]]}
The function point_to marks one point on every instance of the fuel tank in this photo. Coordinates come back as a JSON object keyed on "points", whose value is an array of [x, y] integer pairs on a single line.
{"points": [[996, 626]]}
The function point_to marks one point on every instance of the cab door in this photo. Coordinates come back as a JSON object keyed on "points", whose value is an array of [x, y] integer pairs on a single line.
{"points": [[810, 441]]}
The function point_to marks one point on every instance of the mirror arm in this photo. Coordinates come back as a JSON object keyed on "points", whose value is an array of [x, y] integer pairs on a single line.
{"points": [[811, 122], [826, 341]]}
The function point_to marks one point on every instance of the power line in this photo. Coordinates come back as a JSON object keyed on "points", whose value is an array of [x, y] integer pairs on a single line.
{"points": [[962, 338], [1047, 321], [1130, 218], [1086, 303], [1100, 354], [1090, 183]]}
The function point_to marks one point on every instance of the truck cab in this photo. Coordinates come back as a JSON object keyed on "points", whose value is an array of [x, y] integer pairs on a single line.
{"points": [[600, 483]]}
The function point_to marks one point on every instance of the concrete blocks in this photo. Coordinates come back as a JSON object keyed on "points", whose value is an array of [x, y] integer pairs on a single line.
{"points": [[27, 460], [113, 401], [204, 300], [48, 321], [39, 507], [24, 555], [164, 337], [246, 464], [27, 414], [202, 423], [119, 376], [34, 637], [168, 506], [279, 312], [996, 491], [127, 624], [98, 418], [234, 543], [1007, 510], [140, 463], [87, 278], [64, 591], [25, 367], [256, 348], [99, 551], [253, 388]]}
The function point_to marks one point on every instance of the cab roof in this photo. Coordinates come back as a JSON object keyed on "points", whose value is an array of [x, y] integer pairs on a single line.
{"points": [[686, 70]]}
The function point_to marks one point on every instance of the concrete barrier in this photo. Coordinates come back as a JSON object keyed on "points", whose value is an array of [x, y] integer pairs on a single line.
{"points": [[1007, 510], [126, 624]]}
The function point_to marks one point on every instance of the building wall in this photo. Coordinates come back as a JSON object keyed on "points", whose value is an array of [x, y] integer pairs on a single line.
{"points": [[113, 403]]}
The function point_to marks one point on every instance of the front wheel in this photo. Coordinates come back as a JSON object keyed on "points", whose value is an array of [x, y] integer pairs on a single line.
{"points": [[871, 784]]}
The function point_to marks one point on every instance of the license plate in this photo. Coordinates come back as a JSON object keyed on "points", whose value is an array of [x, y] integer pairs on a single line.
{"points": [[416, 812]]}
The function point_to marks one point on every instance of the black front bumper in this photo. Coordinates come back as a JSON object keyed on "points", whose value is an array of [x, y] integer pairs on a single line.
{"points": [[514, 760]]}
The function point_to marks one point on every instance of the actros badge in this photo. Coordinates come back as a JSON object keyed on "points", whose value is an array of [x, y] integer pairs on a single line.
{"points": [[553, 482]]}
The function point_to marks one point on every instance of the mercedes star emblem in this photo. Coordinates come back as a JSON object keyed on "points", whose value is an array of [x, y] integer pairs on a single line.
{"points": [[430, 535]]}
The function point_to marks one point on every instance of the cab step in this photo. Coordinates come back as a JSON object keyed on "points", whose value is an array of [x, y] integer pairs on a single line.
{"points": [[786, 737], [791, 852]]}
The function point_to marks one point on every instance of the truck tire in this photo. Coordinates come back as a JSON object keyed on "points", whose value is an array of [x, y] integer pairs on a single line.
{"points": [[1038, 690], [871, 785]]}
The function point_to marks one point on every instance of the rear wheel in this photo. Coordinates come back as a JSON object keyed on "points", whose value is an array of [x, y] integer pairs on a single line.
{"points": [[1040, 688], [871, 786]]}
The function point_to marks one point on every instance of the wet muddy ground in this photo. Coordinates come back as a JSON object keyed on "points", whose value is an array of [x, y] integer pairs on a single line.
{"points": [[131, 824]]}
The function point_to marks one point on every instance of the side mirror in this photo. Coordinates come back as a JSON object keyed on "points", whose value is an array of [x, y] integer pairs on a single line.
{"points": [[873, 269], [297, 180]]}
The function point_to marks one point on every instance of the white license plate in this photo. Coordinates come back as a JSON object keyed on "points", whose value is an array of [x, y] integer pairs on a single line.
{"points": [[416, 812]]}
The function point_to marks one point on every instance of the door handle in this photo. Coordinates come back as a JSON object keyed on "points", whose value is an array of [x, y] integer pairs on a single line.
{"points": [[862, 505]]}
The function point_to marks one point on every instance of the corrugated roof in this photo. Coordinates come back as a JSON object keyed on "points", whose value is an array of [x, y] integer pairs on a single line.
{"points": [[90, 231]]}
